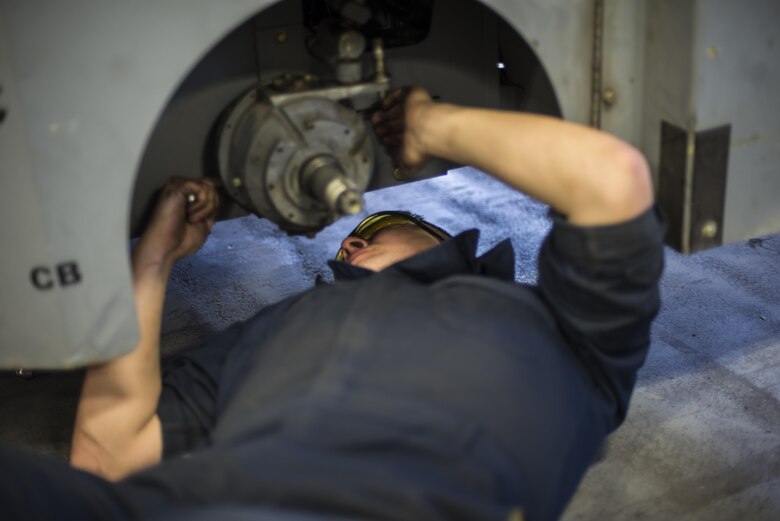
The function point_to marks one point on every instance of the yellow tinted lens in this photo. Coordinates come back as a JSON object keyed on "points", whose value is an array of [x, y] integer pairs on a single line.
{"points": [[370, 226]]}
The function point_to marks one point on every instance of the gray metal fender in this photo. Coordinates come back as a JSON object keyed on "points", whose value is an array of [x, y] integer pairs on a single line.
{"points": [[83, 83]]}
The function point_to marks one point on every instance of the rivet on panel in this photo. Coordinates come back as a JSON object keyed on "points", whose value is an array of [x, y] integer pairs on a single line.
{"points": [[609, 96]]}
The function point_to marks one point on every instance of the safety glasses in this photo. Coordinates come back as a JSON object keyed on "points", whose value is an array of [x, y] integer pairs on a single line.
{"points": [[372, 224]]}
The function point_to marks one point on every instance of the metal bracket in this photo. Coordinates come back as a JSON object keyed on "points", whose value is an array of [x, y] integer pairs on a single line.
{"points": [[692, 185], [334, 93]]}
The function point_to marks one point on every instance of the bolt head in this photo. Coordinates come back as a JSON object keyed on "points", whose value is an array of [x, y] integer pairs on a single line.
{"points": [[24, 373], [350, 203], [609, 96], [709, 229]]}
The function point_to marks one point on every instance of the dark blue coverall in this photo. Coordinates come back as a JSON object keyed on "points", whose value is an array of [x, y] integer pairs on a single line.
{"points": [[436, 389]]}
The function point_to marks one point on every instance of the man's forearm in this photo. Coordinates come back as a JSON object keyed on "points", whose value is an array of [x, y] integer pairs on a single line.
{"points": [[588, 175], [119, 398], [136, 375]]}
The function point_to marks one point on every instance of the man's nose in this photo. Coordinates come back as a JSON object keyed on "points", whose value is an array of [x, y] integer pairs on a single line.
{"points": [[352, 244]]}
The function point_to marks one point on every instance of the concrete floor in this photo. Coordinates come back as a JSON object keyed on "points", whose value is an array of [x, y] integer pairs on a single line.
{"points": [[702, 439]]}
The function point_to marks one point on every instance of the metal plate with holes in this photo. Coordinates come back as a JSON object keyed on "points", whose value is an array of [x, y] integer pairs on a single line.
{"points": [[266, 143]]}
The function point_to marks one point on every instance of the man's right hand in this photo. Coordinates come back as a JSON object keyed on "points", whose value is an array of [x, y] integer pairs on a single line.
{"points": [[178, 227]]}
